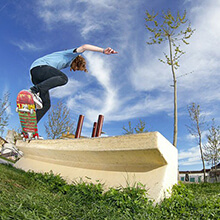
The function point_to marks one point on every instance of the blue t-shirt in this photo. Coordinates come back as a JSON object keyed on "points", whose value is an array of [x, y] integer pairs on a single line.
{"points": [[58, 60]]}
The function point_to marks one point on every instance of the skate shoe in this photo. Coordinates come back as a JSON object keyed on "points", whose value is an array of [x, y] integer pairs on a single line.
{"points": [[37, 100]]}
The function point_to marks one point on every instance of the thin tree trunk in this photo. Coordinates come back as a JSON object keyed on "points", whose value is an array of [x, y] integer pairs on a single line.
{"points": [[175, 114], [201, 152], [216, 178], [175, 130]]}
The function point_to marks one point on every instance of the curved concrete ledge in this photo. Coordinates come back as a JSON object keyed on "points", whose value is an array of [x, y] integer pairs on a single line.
{"points": [[147, 158]]}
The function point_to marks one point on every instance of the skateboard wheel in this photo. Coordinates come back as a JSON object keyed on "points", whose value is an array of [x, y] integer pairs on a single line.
{"points": [[31, 111], [24, 139], [30, 135]]}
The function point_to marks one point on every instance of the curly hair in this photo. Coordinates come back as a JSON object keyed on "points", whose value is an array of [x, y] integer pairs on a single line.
{"points": [[79, 63]]}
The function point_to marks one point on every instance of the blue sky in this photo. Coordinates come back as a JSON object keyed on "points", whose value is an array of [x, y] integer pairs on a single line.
{"points": [[129, 86]]}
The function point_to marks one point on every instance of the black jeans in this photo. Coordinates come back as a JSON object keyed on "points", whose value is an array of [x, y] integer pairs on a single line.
{"points": [[45, 78]]}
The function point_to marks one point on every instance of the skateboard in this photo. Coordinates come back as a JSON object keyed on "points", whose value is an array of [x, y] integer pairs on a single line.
{"points": [[27, 115]]}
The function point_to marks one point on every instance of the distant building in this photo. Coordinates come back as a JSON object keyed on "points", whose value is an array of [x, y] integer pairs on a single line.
{"points": [[214, 174], [193, 176], [197, 176]]}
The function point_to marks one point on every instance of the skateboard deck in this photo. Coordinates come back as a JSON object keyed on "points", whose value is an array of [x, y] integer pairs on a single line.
{"points": [[27, 115]]}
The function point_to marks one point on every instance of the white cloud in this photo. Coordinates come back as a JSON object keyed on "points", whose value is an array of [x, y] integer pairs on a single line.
{"points": [[3, 6], [100, 3], [203, 54], [142, 106], [90, 16], [62, 16], [24, 45], [102, 99], [82, 102], [106, 96], [190, 157], [193, 138], [148, 73], [72, 87], [202, 59]]}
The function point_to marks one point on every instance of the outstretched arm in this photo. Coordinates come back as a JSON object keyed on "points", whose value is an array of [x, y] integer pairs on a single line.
{"points": [[89, 47]]}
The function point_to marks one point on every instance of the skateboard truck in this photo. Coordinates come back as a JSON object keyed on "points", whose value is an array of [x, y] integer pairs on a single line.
{"points": [[29, 136], [25, 109]]}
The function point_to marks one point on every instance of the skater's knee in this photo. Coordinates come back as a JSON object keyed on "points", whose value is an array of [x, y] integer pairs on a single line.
{"points": [[64, 79]]}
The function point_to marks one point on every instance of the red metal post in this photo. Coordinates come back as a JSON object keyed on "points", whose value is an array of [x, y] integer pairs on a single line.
{"points": [[79, 126], [99, 125], [94, 129]]}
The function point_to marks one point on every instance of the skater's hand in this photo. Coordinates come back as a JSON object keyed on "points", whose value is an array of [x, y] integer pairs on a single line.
{"points": [[109, 50]]}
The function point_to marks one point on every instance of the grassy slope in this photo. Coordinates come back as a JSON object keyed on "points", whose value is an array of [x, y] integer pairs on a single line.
{"points": [[36, 196]]}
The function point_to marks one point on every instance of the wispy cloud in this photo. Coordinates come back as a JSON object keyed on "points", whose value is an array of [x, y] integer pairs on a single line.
{"points": [[72, 87], [103, 98], [3, 6], [67, 12], [147, 72], [92, 17], [202, 59], [190, 157], [202, 54], [24, 45], [101, 69]]}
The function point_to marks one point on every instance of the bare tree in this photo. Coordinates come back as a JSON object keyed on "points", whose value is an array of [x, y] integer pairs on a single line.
{"points": [[212, 148], [59, 121], [196, 128], [128, 130], [174, 30], [139, 128], [4, 117]]}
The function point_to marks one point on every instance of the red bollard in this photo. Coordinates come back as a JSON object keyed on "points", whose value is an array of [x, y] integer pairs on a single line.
{"points": [[99, 126], [94, 129], [79, 126]]}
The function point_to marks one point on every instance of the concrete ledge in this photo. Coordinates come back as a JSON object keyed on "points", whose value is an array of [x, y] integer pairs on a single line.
{"points": [[147, 158]]}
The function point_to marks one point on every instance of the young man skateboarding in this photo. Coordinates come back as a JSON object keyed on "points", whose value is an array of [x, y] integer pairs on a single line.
{"points": [[46, 74]]}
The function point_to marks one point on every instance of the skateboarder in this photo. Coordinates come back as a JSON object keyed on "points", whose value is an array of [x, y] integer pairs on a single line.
{"points": [[46, 74]]}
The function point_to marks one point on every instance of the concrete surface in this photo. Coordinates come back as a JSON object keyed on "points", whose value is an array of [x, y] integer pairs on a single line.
{"points": [[116, 161]]}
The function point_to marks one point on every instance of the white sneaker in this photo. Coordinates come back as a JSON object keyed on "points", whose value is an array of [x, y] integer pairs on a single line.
{"points": [[41, 138], [37, 100]]}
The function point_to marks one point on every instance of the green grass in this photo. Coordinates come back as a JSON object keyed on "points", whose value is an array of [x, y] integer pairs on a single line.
{"points": [[5, 159], [29, 195]]}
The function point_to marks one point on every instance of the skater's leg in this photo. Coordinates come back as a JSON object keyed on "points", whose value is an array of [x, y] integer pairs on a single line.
{"points": [[46, 106], [45, 78]]}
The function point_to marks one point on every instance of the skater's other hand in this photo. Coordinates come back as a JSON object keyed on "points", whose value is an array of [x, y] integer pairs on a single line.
{"points": [[109, 50]]}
